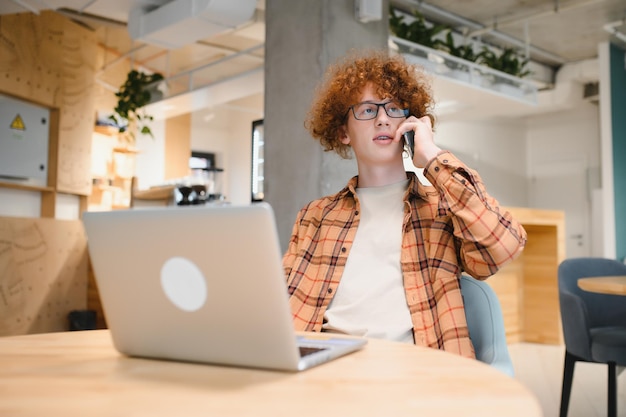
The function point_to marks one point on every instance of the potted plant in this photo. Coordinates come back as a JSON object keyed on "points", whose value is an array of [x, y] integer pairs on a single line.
{"points": [[429, 35], [417, 31], [463, 51], [508, 61], [132, 96]]}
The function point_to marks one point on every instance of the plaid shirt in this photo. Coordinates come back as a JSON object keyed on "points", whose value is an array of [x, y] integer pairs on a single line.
{"points": [[449, 227]]}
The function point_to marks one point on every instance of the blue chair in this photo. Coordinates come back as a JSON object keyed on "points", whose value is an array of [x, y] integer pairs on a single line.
{"points": [[594, 325], [485, 324]]}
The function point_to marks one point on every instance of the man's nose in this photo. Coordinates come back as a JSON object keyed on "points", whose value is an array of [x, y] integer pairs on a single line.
{"points": [[381, 117]]}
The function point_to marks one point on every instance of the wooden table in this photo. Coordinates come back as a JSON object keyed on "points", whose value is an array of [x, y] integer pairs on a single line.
{"points": [[80, 374], [615, 285]]}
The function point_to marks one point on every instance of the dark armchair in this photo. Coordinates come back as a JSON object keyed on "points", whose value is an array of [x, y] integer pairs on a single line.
{"points": [[594, 325]]}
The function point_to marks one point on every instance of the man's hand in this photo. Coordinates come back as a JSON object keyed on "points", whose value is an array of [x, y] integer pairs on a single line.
{"points": [[425, 148]]}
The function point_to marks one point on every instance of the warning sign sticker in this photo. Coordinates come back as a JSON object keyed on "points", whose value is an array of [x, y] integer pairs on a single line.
{"points": [[18, 123]]}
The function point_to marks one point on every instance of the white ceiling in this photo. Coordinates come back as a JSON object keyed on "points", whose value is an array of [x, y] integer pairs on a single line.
{"points": [[558, 32], [224, 69]]}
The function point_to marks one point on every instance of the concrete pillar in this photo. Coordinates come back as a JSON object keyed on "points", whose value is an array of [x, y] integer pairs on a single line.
{"points": [[302, 38]]}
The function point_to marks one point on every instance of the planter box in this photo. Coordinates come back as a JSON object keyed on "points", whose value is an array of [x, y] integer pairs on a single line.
{"points": [[509, 90]]}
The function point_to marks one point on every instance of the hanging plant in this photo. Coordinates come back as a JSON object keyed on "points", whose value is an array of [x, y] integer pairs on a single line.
{"points": [[132, 96]]}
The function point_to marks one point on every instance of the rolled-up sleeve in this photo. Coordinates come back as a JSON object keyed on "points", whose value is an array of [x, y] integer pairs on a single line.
{"points": [[488, 235]]}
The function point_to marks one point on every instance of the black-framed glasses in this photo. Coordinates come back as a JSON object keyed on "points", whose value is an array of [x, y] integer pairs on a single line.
{"points": [[368, 110]]}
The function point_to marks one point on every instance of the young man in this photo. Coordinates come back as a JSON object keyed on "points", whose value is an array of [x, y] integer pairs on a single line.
{"points": [[383, 257]]}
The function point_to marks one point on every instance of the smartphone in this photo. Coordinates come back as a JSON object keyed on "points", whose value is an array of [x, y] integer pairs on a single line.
{"points": [[409, 143]]}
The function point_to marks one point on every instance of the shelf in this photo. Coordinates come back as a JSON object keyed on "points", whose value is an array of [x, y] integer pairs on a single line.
{"points": [[442, 64], [27, 187], [155, 193], [125, 150], [106, 130]]}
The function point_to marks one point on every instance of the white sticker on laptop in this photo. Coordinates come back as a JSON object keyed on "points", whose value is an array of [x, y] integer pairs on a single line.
{"points": [[183, 284]]}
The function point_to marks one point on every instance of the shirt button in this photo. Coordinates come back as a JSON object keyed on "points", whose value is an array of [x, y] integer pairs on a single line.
{"points": [[343, 249], [436, 169], [330, 291], [445, 161], [356, 213]]}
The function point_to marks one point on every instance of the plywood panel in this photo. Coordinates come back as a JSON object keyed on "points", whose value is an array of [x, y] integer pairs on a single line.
{"points": [[93, 298], [31, 65], [177, 146], [507, 284], [528, 288], [79, 51], [43, 274], [541, 302], [49, 60]]}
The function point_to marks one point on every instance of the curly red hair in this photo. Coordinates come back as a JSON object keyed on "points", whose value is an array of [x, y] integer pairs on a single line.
{"points": [[392, 77]]}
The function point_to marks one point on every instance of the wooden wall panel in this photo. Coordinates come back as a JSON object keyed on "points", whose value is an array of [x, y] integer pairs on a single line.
{"points": [[541, 301], [94, 302], [31, 65], [113, 68], [79, 51], [43, 274], [507, 284], [49, 60], [527, 288], [177, 146]]}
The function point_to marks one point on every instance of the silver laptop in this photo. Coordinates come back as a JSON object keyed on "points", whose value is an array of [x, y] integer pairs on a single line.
{"points": [[201, 284]]}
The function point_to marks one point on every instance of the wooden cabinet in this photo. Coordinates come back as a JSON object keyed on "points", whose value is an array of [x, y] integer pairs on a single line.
{"points": [[528, 288]]}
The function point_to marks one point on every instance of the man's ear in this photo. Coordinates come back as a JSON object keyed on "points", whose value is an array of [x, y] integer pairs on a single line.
{"points": [[343, 135]]}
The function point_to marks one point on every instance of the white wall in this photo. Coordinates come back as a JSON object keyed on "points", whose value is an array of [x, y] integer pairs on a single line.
{"points": [[607, 195], [571, 132], [150, 160], [566, 144], [228, 134], [19, 203], [496, 149]]}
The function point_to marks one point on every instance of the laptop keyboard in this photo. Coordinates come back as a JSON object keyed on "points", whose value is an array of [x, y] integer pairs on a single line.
{"points": [[307, 350]]}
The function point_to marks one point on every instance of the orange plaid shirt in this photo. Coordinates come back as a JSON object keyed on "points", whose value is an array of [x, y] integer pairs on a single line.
{"points": [[449, 227]]}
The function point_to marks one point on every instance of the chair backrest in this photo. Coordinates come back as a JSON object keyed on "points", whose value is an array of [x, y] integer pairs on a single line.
{"points": [[486, 324], [582, 310]]}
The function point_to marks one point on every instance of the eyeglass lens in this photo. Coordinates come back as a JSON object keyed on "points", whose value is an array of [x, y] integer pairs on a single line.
{"points": [[368, 110]]}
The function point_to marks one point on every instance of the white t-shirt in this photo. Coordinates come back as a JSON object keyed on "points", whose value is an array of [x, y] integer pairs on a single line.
{"points": [[370, 300]]}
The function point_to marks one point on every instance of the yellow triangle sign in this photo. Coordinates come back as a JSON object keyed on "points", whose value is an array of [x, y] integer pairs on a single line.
{"points": [[18, 123]]}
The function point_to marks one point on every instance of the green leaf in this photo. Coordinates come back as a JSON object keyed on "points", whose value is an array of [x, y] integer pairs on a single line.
{"points": [[145, 130], [418, 31], [132, 97]]}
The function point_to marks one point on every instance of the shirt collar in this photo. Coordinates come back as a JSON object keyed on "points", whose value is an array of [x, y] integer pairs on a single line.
{"points": [[414, 190]]}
